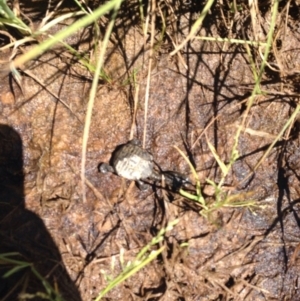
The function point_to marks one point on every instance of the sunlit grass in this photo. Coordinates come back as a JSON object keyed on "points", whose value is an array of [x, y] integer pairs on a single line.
{"points": [[221, 197], [144, 257], [85, 17], [8, 18]]}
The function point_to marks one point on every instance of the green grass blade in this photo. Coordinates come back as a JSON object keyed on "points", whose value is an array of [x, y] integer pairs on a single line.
{"points": [[48, 44]]}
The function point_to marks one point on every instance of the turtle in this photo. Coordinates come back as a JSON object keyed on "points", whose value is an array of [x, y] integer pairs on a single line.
{"points": [[132, 162]]}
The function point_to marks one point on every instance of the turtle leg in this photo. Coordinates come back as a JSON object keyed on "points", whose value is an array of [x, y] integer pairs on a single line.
{"points": [[104, 168], [136, 142], [141, 185], [176, 180]]}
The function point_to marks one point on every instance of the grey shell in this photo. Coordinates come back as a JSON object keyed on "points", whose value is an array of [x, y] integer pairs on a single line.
{"points": [[132, 162]]}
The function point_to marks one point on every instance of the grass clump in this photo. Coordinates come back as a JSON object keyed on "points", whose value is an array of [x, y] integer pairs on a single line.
{"points": [[7, 259], [143, 258], [148, 17]]}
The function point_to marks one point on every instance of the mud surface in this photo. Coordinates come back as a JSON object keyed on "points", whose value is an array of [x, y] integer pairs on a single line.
{"points": [[198, 97]]}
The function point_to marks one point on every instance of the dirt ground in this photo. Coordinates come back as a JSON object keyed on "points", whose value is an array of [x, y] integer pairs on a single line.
{"points": [[194, 98]]}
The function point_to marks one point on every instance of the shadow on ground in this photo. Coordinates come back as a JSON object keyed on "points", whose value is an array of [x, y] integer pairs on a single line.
{"points": [[23, 234]]}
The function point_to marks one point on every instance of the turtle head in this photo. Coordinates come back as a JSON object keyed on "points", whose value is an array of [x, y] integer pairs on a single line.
{"points": [[104, 168]]}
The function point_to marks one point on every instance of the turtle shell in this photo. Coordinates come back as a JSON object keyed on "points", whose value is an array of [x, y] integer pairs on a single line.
{"points": [[132, 162]]}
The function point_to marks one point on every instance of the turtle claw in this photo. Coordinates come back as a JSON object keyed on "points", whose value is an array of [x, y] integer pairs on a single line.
{"points": [[104, 168]]}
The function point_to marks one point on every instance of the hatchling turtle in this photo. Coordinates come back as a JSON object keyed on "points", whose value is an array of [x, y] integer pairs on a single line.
{"points": [[132, 162]]}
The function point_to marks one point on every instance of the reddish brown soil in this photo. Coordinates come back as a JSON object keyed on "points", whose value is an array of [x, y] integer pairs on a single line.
{"points": [[236, 255]]}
